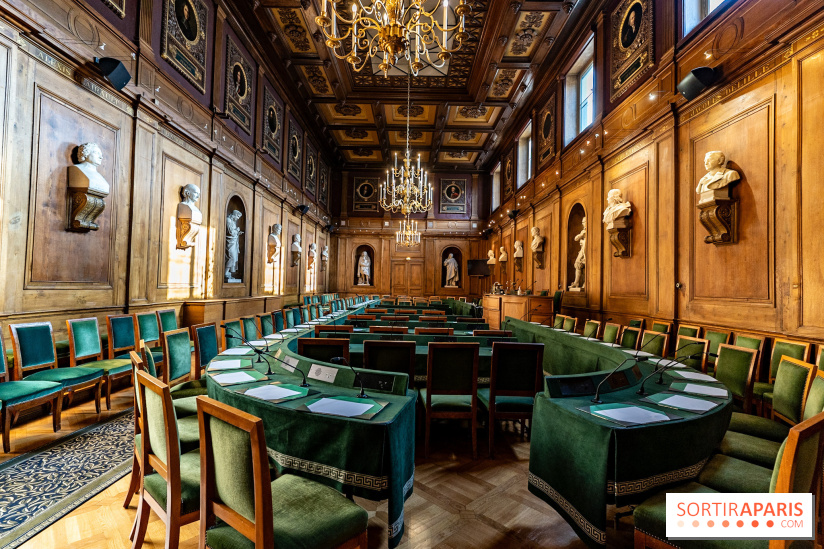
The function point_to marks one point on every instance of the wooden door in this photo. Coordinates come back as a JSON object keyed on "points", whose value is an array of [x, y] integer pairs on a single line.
{"points": [[407, 278]]}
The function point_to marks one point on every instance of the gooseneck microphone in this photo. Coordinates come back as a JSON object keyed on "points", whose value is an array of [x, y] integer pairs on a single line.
{"points": [[639, 358], [660, 370], [238, 335], [340, 361], [635, 358]]}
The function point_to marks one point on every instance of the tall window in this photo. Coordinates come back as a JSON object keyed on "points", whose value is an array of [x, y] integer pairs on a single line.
{"points": [[496, 187], [696, 11], [525, 155], [579, 93]]}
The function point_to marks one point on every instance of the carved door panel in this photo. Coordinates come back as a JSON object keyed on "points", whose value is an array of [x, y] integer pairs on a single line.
{"points": [[416, 278], [400, 286]]}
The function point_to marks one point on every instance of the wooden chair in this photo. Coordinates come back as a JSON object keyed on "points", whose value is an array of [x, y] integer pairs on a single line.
{"points": [[434, 331], [179, 375], [592, 328], [84, 345], [166, 319], [122, 334], [149, 332], [654, 342], [611, 333], [687, 346], [249, 327], [558, 323], [492, 333], [390, 356], [236, 487], [338, 328], [792, 385], [715, 338], [35, 359], [388, 330], [511, 392], [630, 337], [373, 311], [751, 341], [636, 323], [690, 331], [452, 387], [435, 312], [323, 349], [469, 320], [231, 332], [167, 475], [265, 324], [17, 396], [289, 318], [569, 323], [661, 327], [735, 368], [277, 320]]}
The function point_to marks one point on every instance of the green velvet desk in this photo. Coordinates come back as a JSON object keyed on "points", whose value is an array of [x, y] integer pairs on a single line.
{"points": [[463, 326], [370, 458], [461, 308]]}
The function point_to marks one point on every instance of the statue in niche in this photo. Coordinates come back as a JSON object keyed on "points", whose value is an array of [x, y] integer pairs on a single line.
{"points": [[189, 217], [233, 233], [519, 256], [87, 189], [580, 261], [717, 176], [324, 258], [452, 272], [537, 247], [296, 250], [504, 257], [491, 257], [273, 242], [313, 249], [618, 223], [364, 269], [715, 201]]}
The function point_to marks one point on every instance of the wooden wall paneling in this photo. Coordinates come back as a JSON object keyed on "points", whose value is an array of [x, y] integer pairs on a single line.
{"points": [[663, 221], [309, 275], [16, 78], [146, 144], [291, 278], [227, 184], [265, 275]]}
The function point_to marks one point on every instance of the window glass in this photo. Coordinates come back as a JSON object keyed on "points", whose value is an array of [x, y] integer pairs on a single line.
{"points": [[585, 109]]}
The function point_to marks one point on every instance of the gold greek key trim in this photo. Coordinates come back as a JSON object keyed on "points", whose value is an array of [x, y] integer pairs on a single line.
{"points": [[639, 486], [321, 469], [599, 536]]}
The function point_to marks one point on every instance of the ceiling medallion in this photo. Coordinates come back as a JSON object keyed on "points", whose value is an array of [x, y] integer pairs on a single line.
{"points": [[410, 111], [472, 111], [411, 135], [294, 30], [456, 154], [528, 32], [344, 109], [388, 28], [504, 82], [464, 135], [356, 133], [361, 151], [316, 79]]}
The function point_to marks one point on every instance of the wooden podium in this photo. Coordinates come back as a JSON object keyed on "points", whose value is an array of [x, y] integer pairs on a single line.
{"points": [[530, 308]]}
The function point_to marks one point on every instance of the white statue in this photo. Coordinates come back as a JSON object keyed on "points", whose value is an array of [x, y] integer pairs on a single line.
{"points": [[491, 255], [581, 260], [86, 189], [504, 257], [233, 233], [273, 242], [519, 249], [616, 208], [364, 269], [452, 272], [537, 240], [189, 217], [313, 248], [296, 250], [324, 257], [717, 176]]}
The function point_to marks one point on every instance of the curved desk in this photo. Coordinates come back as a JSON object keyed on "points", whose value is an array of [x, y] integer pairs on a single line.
{"points": [[371, 458]]}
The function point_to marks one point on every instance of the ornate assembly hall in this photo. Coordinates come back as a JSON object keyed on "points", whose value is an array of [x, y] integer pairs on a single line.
{"points": [[447, 274]]}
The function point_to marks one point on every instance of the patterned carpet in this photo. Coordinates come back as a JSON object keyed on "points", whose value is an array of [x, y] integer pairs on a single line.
{"points": [[38, 488]]}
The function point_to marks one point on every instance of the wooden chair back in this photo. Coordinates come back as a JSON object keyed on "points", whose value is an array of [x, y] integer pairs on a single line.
{"points": [[178, 353], [166, 319], [630, 337], [390, 356], [660, 327], [324, 349], [786, 347], [654, 342], [123, 334], [686, 346], [611, 333], [690, 331], [84, 340], [207, 344], [343, 328], [792, 385], [231, 332], [33, 348], [394, 318], [751, 341], [735, 368], [149, 328], [592, 328], [492, 333], [388, 330], [361, 317], [434, 331]]}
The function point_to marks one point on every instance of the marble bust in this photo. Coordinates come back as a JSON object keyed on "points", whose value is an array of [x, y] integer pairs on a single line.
{"points": [[324, 257], [504, 257], [313, 249], [616, 208], [452, 275], [491, 257], [537, 244], [519, 249], [233, 233], [296, 250], [273, 242], [86, 189], [189, 217], [717, 176]]}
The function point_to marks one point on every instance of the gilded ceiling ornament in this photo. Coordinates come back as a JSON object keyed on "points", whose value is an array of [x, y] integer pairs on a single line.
{"points": [[361, 151], [345, 109], [356, 133], [503, 82], [316, 79], [527, 32], [464, 135], [472, 111], [294, 30], [456, 154], [410, 111], [412, 135]]}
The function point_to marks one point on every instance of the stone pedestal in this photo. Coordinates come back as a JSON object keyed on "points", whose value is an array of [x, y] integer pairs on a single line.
{"points": [[718, 214]]}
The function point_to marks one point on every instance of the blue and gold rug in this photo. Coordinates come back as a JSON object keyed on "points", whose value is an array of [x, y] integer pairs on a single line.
{"points": [[40, 487]]}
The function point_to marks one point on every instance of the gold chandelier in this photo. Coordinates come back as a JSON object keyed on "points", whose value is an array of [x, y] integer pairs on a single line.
{"points": [[389, 27], [408, 234]]}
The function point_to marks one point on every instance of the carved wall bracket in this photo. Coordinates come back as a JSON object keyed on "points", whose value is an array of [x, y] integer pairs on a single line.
{"points": [[85, 207], [718, 214], [620, 237]]}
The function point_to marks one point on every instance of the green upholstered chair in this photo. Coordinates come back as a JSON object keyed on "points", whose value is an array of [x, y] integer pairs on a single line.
{"points": [[452, 387], [558, 323], [170, 478], [206, 342], [630, 337], [304, 315], [390, 356], [250, 327], [313, 312], [569, 323], [255, 512], [166, 320], [690, 331], [715, 338], [557, 299], [36, 360], [654, 342], [323, 349], [265, 324], [277, 320], [591, 328], [183, 380], [792, 383], [611, 333], [780, 349], [751, 341], [85, 347], [149, 332], [232, 331], [661, 327], [515, 377], [797, 469], [122, 333], [686, 346], [307, 300], [16, 396], [297, 316], [636, 323], [735, 368]]}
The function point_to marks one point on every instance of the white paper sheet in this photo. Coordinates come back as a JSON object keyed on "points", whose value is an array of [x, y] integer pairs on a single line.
{"points": [[688, 403], [695, 376], [259, 342], [608, 344], [643, 353], [339, 407], [705, 390], [225, 365], [668, 362], [271, 392], [236, 351], [234, 377], [632, 414], [275, 336], [290, 330], [303, 326]]}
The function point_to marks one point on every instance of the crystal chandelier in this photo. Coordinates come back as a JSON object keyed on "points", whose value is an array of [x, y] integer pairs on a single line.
{"points": [[388, 28], [408, 234]]}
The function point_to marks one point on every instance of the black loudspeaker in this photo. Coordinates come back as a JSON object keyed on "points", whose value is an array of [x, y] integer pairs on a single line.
{"points": [[696, 81], [513, 213], [303, 208], [114, 71], [486, 232]]}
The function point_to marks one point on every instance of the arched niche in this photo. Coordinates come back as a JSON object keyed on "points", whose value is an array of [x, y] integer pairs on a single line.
{"points": [[370, 253], [458, 257], [234, 265], [575, 225]]}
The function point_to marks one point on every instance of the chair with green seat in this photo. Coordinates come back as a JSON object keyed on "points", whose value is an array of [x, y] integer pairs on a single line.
{"points": [[314, 312], [715, 338], [690, 331], [277, 320], [207, 344], [17, 396], [654, 342], [149, 332], [686, 346], [661, 327], [122, 333], [569, 323], [630, 337], [166, 320], [288, 318], [242, 508], [232, 332], [304, 315], [557, 299], [735, 368], [84, 345], [792, 383], [323, 349], [35, 359], [558, 323], [265, 324], [780, 349], [249, 327], [591, 328], [611, 333], [452, 387], [296, 317], [751, 341], [170, 479], [183, 380], [390, 356], [636, 323], [515, 377]]}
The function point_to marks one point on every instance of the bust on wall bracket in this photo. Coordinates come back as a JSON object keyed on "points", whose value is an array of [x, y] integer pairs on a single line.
{"points": [[87, 189], [717, 207], [273, 242], [618, 223], [537, 247], [296, 250], [189, 217], [519, 256]]}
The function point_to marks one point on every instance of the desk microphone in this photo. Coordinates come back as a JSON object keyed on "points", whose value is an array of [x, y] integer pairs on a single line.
{"points": [[239, 336], [523, 317], [597, 400], [638, 352], [670, 364], [340, 361]]}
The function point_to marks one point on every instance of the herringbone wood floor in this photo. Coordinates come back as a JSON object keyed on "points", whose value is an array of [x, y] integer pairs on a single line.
{"points": [[457, 502]]}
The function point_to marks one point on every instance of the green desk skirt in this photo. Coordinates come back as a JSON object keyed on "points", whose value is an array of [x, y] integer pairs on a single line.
{"points": [[461, 308], [580, 463]]}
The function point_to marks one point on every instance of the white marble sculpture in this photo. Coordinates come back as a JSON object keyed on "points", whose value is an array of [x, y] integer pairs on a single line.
{"points": [[581, 260], [519, 249], [504, 257], [452, 272], [233, 233], [616, 208], [87, 189], [313, 250], [364, 269], [296, 250], [537, 244], [273, 242], [491, 255], [324, 257], [717, 176], [189, 217]]}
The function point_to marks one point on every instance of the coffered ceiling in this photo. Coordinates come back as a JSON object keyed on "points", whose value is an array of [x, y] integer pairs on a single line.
{"points": [[457, 113]]}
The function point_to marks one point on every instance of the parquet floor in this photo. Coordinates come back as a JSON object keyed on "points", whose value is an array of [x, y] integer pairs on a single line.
{"points": [[457, 503]]}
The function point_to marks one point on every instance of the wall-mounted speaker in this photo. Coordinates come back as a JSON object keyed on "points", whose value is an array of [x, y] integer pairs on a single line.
{"points": [[114, 71], [513, 213], [302, 209], [486, 232], [698, 80]]}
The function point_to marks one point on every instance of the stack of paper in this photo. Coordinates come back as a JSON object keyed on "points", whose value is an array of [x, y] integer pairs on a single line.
{"points": [[695, 376], [632, 414], [688, 403], [335, 407], [237, 351], [225, 365], [233, 378], [271, 392]]}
